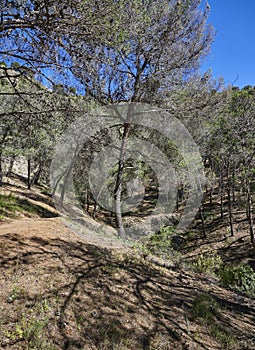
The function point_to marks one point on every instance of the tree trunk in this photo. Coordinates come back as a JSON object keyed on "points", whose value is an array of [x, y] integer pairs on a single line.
{"points": [[58, 181], [250, 214], [118, 186], [202, 220], [234, 185], [1, 170], [65, 184], [67, 175], [36, 176], [10, 166], [29, 173], [221, 194], [94, 210], [210, 196], [230, 211], [180, 195], [87, 200], [177, 200]]}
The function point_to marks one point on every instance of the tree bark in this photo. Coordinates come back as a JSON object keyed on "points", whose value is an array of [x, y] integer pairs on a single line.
{"points": [[250, 214], [230, 211], [118, 186], [65, 184], [202, 220], [210, 196], [1, 170], [36, 176], [29, 173], [234, 185], [10, 166], [221, 194]]}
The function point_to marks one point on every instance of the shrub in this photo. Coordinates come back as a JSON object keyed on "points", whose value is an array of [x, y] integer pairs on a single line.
{"points": [[208, 262], [204, 307], [162, 244], [240, 277]]}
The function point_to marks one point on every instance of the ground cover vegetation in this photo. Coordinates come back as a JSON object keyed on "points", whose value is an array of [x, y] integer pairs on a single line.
{"points": [[192, 289]]}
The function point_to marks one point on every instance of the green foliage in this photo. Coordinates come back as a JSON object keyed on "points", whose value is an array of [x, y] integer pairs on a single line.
{"points": [[8, 205], [11, 206], [190, 235], [15, 65], [34, 132], [241, 277], [208, 262], [32, 330], [207, 310], [15, 294], [226, 339], [162, 241], [161, 244], [204, 307]]}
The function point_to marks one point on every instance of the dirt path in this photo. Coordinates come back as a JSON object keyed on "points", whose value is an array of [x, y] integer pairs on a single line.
{"points": [[60, 228], [49, 228]]}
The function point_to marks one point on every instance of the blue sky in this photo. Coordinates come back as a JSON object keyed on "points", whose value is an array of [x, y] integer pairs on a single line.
{"points": [[233, 51]]}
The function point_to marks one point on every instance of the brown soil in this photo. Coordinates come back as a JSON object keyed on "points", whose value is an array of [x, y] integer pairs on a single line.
{"points": [[61, 291]]}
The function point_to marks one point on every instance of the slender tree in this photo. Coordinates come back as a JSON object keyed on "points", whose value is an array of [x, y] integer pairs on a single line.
{"points": [[233, 151], [135, 51], [163, 43]]}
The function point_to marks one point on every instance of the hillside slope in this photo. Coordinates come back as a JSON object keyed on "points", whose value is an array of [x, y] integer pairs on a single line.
{"points": [[59, 291]]}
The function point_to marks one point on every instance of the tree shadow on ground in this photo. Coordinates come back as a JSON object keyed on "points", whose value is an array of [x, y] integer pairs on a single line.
{"points": [[99, 299], [36, 209], [234, 249], [46, 199]]}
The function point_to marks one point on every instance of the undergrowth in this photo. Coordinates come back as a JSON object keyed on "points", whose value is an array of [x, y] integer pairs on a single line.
{"points": [[206, 310], [10, 206], [240, 277]]}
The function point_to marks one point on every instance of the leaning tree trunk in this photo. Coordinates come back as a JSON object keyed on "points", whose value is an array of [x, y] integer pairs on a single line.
{"points": [[8, 174], [66, 182], [36, 177]]}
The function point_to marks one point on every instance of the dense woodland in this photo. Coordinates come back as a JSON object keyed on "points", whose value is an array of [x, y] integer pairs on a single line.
{"points": [[60, 60]]}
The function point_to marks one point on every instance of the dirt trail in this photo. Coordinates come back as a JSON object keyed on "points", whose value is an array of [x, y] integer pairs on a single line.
{"points": [[49, 228], [59, 228]]}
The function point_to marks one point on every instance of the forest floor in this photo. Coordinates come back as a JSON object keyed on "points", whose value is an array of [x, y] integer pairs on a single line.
{"points": [[63, 290]]}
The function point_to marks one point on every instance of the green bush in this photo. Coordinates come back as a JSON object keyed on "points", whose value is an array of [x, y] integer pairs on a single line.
{"points": [[240, 277], [162, 244], [227, 340], [166, 243], [204, 307], [162, 241], [208, 262]]}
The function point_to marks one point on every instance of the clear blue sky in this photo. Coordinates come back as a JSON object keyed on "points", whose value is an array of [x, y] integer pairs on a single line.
{"points": [[233, 51]]}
